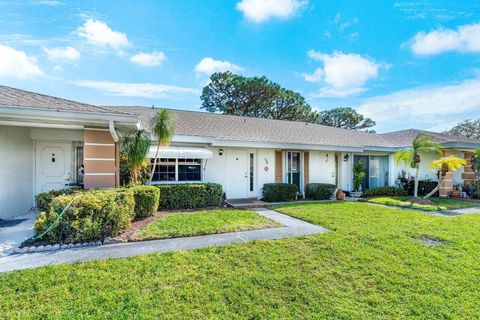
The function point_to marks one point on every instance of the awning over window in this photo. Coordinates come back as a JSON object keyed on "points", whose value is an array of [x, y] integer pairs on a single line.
{"points": [[181, 152]]}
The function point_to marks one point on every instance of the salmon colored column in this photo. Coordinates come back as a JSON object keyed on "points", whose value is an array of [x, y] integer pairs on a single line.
{"points": [[468, 175], [446, 182], [100, 158]]}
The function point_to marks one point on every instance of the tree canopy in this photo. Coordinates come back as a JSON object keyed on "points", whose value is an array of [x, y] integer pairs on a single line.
{"points": [[233, 94], [346, 118], [467, 128], [259, 97]]}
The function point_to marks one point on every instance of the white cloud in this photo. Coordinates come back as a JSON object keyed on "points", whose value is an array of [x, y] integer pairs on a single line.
{"points": [[99, 33], [439, 101], [148, 59], [343, 74], [208, 66], [261, 10], [465, 38], [67, 53], [143, 90], [17, 64]]}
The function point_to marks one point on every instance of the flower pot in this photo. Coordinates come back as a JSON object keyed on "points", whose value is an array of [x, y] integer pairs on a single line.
{"points": [[356, 194], [340, 195]]}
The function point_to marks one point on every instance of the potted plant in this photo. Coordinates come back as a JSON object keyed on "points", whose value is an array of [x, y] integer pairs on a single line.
{"points": [[358, 176]]}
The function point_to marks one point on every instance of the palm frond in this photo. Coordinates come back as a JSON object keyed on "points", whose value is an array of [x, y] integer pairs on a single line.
{"points": [[163, 126], [453, 163], [404, 155], [424, 143]]}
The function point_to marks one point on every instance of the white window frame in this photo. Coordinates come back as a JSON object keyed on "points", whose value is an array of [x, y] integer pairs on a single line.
{"points": [[176, 172]]}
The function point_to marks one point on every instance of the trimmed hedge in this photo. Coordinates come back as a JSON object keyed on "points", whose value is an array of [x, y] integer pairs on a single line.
{"points": [[319, 191], [44, 199], [190, 195], [384, 191], [146, 200], [92, 215], [278, 192]]}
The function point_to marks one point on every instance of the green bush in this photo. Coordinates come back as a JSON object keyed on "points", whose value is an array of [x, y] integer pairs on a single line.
{"points": [[424, 187], [146, 200], [190, 195], [319, 191], [277, 192], [92, 215], [44, 199], [385, 191]]}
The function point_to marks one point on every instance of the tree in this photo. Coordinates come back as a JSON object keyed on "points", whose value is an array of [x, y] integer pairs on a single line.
{"points": [[467, 128], [346, 118], [163, 127], [445, 165], [233, 94], [421, 143], [134, 149]]}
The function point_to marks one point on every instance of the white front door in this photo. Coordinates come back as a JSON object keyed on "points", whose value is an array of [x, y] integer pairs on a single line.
{"points": [[53, 166], [237, 174]]}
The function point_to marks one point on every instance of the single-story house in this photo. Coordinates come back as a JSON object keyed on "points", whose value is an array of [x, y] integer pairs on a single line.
{"points": [[49, 143]]}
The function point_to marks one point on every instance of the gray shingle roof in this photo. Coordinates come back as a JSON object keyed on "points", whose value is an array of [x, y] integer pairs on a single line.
{"points": [[26, 99], [236, 128], [405, 137]]}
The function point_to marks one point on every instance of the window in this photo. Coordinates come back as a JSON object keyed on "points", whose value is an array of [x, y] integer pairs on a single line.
{"points": [[251, 171], [189, 169], [171, 170]]}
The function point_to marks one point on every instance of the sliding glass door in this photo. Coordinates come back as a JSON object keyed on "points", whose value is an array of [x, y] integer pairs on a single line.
{"points": [[376, 170]]}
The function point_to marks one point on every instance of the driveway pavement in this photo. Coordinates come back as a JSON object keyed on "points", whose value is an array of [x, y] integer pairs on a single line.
{"points": [[12, 237], [292, 228]]}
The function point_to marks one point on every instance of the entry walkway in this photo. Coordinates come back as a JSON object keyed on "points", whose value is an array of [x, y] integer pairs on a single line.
{"points": [[292, 228], [11, 237]]}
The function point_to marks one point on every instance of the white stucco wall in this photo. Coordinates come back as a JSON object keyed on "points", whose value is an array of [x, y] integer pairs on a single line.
{"points": [[425, 172], [56, 134], [457, 175], [16, 171]]}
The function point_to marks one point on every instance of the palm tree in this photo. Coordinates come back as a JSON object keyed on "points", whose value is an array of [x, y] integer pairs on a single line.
{"points": [[135, 147], [163, 127], [421, 143], [444, 165]]}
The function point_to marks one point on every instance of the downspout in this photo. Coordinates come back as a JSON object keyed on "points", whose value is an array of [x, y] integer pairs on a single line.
{"points": [[114, 134], [111, 127]]}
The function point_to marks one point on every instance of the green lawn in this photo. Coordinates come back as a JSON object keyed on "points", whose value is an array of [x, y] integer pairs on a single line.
{"points": [[371, 265], [183, 224], [441, 203]]}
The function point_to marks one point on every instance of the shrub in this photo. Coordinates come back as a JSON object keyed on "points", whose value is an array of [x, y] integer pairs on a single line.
{"points": [[424, 187], [384, 191], [319, 191], [92, 215], [44, 199], [472, 190], [146, 200], [190, 195], [276, 192]]}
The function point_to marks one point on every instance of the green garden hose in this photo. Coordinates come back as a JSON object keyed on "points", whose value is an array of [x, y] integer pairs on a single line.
{"points": [[56, 220]]}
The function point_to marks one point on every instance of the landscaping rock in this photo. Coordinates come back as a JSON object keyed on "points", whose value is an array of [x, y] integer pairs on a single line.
{"points": [[48, 247], [55, 247], [109, 240], [98, 243], [64, 246]]}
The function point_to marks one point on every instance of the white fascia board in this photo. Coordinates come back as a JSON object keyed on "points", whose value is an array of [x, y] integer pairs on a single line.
{"points": [[40, 125], [37, 113], [264, 145]]}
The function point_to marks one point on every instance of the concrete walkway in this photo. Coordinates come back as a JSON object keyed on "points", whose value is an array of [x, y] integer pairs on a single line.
{"points": [[292, 228], [12, 237]]}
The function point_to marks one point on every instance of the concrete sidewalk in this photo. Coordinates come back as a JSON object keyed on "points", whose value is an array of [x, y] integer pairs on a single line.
{"points": [[292, 228], [12, 237]]}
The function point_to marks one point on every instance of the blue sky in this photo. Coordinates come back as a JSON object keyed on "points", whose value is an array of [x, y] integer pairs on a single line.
{"points": [[403, 63]]}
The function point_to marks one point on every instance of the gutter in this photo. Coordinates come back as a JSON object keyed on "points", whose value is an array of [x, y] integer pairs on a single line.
{"points": [[48, 114], [111, 128]]}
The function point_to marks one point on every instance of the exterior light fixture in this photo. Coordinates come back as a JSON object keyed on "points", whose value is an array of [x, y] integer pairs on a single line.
{"points": [[345, 158], [220, 152]]}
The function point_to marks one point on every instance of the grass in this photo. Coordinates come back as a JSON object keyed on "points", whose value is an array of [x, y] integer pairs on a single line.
{"points": [[372, 265], [440, 203], [183, 224]]}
